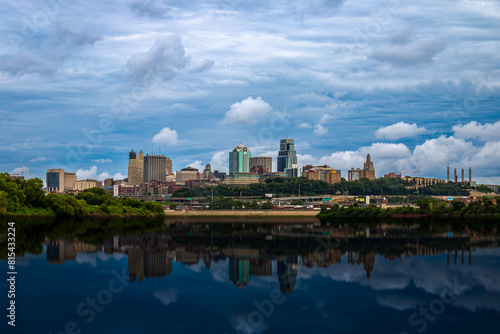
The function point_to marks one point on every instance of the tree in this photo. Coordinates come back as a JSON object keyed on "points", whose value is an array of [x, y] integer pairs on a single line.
{"points": [[457, 205], [268, 205], [424, 204]]}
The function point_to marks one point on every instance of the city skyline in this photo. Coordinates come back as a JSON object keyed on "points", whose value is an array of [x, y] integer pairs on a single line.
{"points": [[409, 84]]}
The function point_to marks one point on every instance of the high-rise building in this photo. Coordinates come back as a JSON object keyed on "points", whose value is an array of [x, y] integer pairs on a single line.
{"points": [[239, 160], [155, 168], [286, 155], [60, 181], [264, 162], [368, 171], [135, 168], [353, 174], [207, 172], [169, 167]]}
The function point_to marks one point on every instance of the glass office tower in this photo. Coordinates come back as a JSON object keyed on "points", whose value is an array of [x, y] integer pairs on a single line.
{"points": [[287, 156]]}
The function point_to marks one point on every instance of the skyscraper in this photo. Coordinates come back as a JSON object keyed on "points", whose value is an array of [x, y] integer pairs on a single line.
{"points": [[239, 160], [286, 155], [368, 171], [265, 162], [155, 168], [135, 168]]}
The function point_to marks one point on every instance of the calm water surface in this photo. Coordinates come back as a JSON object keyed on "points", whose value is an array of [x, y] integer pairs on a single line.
{"points": [[141, 276]]}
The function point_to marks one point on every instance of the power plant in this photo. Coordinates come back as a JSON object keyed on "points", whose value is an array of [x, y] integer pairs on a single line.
{"points": [[455, 180]]}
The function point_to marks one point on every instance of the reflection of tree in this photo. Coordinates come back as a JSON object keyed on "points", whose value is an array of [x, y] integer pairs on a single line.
{"points": [[31, 232]]}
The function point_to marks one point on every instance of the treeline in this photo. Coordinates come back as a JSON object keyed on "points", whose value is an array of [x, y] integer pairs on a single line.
{"points": [[290, 186], [27, 197], [425, 207]]}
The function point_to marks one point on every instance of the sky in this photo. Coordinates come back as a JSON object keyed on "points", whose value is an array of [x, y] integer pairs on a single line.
{"points": [[414, 84]]}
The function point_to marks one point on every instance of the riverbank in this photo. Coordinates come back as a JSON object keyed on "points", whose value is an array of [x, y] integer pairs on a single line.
{"points": [[245, 213]]}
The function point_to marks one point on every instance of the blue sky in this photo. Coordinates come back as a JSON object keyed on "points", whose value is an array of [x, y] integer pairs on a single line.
{"points": [[416, 85]]}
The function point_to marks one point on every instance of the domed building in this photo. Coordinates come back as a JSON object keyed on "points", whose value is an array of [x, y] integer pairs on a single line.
{"points": [[239, 160]]}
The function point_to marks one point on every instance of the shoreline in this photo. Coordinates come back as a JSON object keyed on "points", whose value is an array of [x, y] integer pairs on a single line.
{"points": [[244, 213]]}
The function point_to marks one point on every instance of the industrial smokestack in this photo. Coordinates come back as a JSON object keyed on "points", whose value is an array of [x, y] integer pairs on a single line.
{"points": [[463, 176], [448, 177], [456, 177], [470, 175]]}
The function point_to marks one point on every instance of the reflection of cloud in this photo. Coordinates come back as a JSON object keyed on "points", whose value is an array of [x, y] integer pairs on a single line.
{"points": [[167, 297], [484, 300], [264, 282], [399, 302], [197, 267], [91, 259], [83, 258], [219, 271], [428, 275], [388, 282]]}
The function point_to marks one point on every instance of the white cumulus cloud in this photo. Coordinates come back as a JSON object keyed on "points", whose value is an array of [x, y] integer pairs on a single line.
{"points": [[248, 111], [399, 130], [475, 130], [166, 136], [320, 130], [83, 174], [220, 161]]}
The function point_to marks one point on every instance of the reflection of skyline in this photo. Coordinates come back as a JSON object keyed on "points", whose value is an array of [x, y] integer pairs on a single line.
{"points": [[151, 255], [367, 260], [287, 274]]}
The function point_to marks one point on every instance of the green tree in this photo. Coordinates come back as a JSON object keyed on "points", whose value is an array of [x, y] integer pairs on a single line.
{"points": [[268, 205], [424, 205]]}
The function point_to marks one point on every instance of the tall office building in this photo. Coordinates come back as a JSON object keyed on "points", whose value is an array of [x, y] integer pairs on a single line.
{"points": [[169, 167], [59, 181], [135, 168], [239, 160], [368, 171], [286, 156], [265, 162], [155, 168]]}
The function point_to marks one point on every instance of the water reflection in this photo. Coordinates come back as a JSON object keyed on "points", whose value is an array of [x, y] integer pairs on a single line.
{"points": [[279, 250], [346, 276]]}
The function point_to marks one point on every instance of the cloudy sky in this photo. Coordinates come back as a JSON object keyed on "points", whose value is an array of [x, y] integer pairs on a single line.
{"points": [[415, 84]]}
